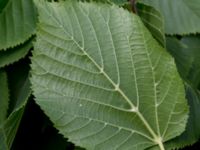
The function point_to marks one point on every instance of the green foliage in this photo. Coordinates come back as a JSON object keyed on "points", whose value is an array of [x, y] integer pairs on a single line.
{"points": [[17, 23], [117, 72], [181, 16], [10, 117], [12, 55], [187, 50], [153, 20], [99, 74], [192, 132]]}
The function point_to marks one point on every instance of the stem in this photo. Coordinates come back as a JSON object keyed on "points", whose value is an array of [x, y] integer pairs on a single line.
{"points": [[133, 5], [160, 144]]}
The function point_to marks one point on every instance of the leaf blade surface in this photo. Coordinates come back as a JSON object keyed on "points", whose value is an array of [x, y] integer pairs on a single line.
{"points": [[101, 70]]}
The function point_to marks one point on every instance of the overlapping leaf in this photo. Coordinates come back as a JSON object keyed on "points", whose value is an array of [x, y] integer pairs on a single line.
{"points": [[14, 54], [192, 132], [103, 80], [187, 55], [12, 115], [17, 23], [153, 20], [181, 16]]}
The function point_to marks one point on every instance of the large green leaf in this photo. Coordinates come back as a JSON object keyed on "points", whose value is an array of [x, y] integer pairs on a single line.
{"points": [[17, 23], [9, 126], [14, 54], [181, 16], [103, 80]]}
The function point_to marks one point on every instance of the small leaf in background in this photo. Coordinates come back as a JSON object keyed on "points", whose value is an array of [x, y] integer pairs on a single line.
{"points": [[153, 20], [36, 132], [103, 80], [17, 23], [187, 56], [12, 55], [186, 53], [181, 16], [19, 93]]}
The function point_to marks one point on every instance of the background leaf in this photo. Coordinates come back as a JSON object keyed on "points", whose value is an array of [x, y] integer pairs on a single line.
{"points": [[12, 55], [186, 53], [17, 23], [97, 73], [181, 16], [19, 94], [192, 132], [153, 20]]}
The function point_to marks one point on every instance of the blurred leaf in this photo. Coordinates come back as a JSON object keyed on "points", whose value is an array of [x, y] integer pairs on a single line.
{"points": [[181, 16], [12, 55], [17, 23], [187, 56], [186, 52], [153, 20], [3, 4]]}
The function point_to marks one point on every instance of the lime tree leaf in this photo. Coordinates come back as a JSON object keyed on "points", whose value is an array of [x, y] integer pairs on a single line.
{"points": [[187, 55], [103, 80], [9, 126], [12, 55], [17, 23], [153, 20], [181, 16]]}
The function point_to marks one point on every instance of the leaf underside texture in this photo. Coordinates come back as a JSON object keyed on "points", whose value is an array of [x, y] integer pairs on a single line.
{"points": [[103, 80]]}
